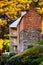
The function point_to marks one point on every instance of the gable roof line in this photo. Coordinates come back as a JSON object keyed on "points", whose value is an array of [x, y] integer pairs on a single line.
{"points": [[22, 17], [15, 23]]}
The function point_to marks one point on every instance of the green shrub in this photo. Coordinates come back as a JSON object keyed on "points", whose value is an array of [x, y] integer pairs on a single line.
{"points": [[31, 56], [41, 63], [12, 54]]}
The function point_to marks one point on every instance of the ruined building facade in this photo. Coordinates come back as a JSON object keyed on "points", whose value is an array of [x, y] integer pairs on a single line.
{"points": [[29, 29]]}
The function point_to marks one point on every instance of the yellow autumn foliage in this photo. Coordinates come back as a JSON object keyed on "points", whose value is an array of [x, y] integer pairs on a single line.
{"points": [[1, 42], [13, 6], [4, 41], [40, 10], [40, 3], [2, 22], [42, 26]]}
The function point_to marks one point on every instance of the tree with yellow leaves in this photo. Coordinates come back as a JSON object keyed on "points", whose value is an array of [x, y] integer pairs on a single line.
{"points": [[13, 9]]}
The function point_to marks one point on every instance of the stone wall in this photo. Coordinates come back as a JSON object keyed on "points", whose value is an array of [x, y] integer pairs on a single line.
{"points": [[30, 28], [28, 36]]}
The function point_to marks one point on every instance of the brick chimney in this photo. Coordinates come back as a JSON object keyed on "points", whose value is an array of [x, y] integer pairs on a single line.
{"points": [[32, 7]]}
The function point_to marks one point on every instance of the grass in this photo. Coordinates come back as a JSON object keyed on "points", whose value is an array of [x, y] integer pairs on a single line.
{"points": [[38, 42]]}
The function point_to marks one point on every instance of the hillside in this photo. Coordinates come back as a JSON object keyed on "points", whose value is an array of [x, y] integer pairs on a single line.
{"points": [[31, 56]]}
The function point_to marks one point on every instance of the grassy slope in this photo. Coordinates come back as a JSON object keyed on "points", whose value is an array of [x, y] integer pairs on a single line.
{"points": [[31, 56], [38, 42]]}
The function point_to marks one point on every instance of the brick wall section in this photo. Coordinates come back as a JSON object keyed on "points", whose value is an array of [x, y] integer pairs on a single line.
{"points": [[31, 20], [21, 25]]}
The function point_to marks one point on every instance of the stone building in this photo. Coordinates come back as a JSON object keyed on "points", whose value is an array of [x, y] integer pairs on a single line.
{"points": [[14, 36], [29, 29]]}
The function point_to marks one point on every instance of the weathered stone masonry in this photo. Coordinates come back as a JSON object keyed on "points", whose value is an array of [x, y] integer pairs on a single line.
{"points": [[30, 28]]}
